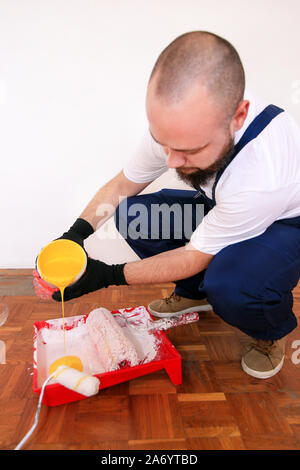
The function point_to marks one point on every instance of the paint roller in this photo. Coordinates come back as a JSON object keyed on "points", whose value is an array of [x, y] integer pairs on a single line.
{"points": [[114, 349], [73, 379]]}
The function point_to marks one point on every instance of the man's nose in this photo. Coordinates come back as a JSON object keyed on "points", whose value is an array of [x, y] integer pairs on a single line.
{"points": [[174, 159]]}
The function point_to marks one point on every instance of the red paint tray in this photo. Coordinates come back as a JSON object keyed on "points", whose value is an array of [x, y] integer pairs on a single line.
{"points": [[166, 357]]}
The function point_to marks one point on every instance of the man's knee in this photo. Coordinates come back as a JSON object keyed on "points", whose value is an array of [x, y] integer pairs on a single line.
{"points": [[148, 216], [242, 294], [130, 208]]}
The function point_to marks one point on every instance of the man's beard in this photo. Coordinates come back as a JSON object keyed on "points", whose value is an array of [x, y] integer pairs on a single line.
{"points": [[201, 177]]}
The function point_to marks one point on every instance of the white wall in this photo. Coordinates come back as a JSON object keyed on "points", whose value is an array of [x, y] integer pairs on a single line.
{"points": [[73, 77]]}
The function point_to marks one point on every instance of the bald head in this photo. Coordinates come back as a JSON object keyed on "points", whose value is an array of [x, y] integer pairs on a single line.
{"points": [[202, 59]]}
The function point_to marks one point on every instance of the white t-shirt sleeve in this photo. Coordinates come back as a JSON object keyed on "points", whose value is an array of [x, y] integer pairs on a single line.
{"points": [[239, 217], [147, 163]]}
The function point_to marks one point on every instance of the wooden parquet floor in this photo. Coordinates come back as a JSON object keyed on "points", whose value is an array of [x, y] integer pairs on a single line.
{"points": [[216, 407]]}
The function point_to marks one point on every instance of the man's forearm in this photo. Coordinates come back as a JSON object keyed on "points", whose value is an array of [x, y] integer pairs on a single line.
{"points": [[102, 206], [169, 266], [106, 200]]}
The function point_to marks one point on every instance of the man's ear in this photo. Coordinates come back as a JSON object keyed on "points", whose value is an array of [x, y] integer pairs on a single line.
{"points": [[239, 116]]}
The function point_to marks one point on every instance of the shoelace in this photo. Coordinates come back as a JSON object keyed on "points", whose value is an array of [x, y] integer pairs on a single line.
{"points": [[265, 347], [171, 298]]}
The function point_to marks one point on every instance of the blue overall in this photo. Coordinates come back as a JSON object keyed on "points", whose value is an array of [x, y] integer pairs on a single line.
{"points": [[249, 284]]}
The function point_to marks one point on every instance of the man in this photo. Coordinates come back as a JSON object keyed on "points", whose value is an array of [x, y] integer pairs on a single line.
{"points": [[242, 157]]}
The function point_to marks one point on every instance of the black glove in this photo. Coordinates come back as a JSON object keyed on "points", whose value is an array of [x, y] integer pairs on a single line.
{"points": [[79, 231], [96, 276]]}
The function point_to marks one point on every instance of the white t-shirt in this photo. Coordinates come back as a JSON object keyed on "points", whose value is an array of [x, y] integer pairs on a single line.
{"points": [[260, 185]]}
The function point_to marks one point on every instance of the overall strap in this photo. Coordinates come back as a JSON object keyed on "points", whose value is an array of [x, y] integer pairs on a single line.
{"points": [[253, 130]]}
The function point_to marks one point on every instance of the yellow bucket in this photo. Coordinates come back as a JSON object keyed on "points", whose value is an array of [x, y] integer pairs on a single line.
{"points": [[61, 262]]}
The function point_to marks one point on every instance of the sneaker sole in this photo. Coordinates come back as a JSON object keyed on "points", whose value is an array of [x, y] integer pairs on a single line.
{"points": [[262, 375], [200, 308]]}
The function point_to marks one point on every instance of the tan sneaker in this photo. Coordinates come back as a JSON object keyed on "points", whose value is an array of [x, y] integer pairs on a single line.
{"points": [[263, 359], [175, 305]]}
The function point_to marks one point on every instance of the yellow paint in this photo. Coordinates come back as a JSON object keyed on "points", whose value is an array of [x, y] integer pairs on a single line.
{"points": [[69, 361], [60, 263], [62, 271]]}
